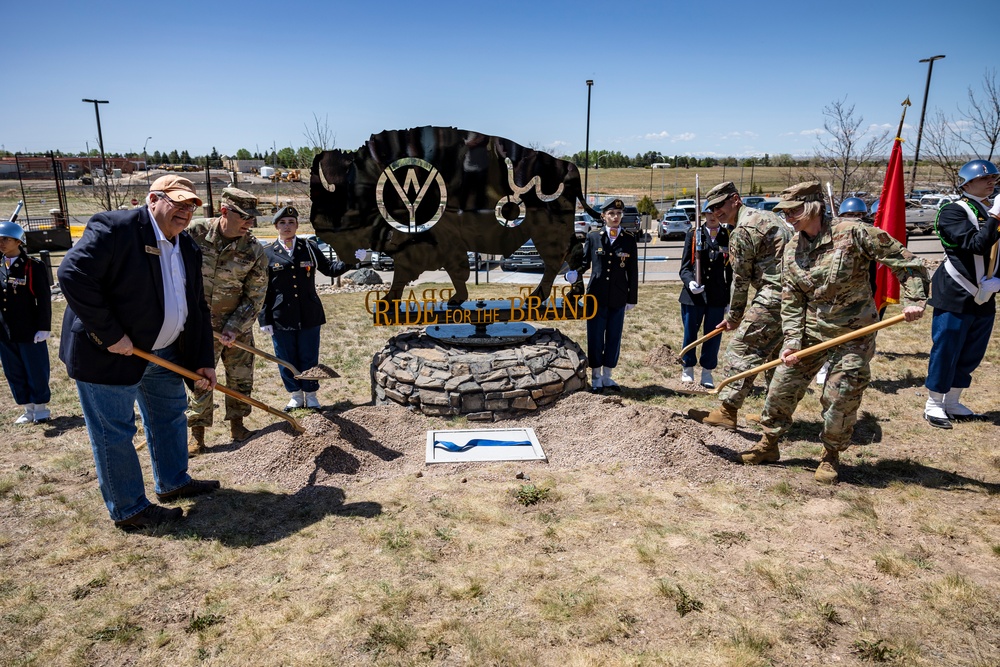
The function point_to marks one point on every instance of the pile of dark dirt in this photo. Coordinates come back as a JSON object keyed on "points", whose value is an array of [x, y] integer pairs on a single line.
{"points": [[584, 430]]}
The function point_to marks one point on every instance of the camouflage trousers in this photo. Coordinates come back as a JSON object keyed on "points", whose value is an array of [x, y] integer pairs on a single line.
{"points": [[846, 380], [756, 342], [239, 377]]}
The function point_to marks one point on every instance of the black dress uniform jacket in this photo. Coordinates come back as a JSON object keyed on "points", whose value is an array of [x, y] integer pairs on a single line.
{"points": [[962, 242], [25, 301], [614, 276], [113, 285], [291, 302], [716, 271]]}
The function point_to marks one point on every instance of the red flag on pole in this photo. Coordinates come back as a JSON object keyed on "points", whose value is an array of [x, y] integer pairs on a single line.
{"points": [[891, 217]]}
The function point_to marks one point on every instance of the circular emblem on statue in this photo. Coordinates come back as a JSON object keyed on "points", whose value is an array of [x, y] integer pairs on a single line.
{"points": [[411, 195]]}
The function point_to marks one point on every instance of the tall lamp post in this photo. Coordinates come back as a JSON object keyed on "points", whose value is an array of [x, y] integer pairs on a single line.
{"points": [[923, 110], [100, 140], [145, 160], [586, 147], [651, 176], [597, 177]]}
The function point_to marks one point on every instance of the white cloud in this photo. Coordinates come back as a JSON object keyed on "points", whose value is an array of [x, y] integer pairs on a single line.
{"points": [[558, 143], [740, 135], [657, 135], [685, 136], [814, 131]]}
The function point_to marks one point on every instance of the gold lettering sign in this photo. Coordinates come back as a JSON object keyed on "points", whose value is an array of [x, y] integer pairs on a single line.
{"points": [[430, 307]]}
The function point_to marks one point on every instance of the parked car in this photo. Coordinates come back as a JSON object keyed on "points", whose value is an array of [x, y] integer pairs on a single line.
{"points": [[919, 219], [583, 223], [673, 226], [936, 201], [690, 207], [382, 261], [768, 204], [524, 258], [751, 202], [632, 221], [484, 260], [676, 210]]}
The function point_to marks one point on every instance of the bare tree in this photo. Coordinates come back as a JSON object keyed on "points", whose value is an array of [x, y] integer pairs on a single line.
{"points": [[849, 154], [319, 137], [943, 146], [981, 132]]}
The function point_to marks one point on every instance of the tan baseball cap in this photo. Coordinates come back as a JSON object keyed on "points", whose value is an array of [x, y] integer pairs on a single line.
{"points": [[177, 188], [798, 194]]}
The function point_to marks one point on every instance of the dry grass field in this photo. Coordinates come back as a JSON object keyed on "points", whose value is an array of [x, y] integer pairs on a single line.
{"points": [[640, 542]]}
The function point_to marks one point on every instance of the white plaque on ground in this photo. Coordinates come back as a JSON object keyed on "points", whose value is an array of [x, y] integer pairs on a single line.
{"points": [[486, 444]]}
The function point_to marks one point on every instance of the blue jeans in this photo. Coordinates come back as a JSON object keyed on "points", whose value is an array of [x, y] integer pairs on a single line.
{"points": [[300, 348], [604, 336], [693, 317], [108, 411], [958, 345], [26, 366]]}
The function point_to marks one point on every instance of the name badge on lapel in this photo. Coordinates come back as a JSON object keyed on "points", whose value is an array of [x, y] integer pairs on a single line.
{"points": [[305, 265], [150, 250], [17, 281]]}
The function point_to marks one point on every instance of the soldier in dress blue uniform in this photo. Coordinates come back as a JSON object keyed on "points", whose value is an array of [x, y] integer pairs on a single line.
{"points": [[292, 312], [614, 280], [25, 322]]}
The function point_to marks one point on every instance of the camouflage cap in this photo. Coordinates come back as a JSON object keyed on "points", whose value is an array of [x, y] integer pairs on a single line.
{"points": [[720, 193], [240, 201], [177, 188], [798, 194], [614, 203], [286, 212]]}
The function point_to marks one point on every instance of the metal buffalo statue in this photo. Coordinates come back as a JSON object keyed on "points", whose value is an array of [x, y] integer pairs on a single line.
{"points": [[427, 195]]}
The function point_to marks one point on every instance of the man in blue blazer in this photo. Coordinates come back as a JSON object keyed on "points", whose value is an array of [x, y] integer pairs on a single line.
{"points": [[134, 278]]}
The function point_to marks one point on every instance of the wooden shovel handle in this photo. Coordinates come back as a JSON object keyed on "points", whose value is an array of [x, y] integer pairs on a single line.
{"points": [[826, 345], [191, 375], [712, 334], [262, 353]]}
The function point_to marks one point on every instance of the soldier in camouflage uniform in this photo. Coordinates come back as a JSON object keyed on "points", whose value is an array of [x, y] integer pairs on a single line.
{"points": [[755, 249], [825, 294], [235, 275]]}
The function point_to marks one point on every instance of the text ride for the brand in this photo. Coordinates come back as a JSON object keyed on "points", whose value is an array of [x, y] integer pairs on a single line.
{"points": [[431, 307]]}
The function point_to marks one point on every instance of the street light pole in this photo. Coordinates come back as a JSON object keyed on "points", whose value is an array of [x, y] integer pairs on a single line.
{"points": [[586, 148], [923, 110], [100, 140], [145, 159]]}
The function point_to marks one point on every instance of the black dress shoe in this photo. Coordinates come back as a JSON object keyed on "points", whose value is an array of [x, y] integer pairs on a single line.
{"points": [[596, 390], [195, 487], [153, 515], [937, 422], [613, 386], [974, 417]]}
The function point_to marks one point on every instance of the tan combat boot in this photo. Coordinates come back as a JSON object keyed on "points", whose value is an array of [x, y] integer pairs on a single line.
{"points": [[238, 430], [765, 451], [723, 416], [196, 445], [829, 467]]}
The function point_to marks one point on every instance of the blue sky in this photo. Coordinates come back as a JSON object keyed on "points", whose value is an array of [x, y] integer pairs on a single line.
{"points": [[696, 78]]}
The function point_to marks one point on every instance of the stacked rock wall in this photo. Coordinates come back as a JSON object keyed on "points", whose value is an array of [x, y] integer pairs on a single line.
{"points": [[485, 384]]}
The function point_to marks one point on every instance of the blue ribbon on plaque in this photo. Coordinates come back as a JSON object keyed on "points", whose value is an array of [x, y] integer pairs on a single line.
{"points": [[479, 442]]}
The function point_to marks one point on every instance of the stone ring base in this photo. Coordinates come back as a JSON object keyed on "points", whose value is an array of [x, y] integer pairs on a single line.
{"points": [[485, 384]]}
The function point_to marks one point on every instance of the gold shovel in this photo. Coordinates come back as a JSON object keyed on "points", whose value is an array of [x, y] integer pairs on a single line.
{"points": [[712, 334], [295, 371], [180, 370], [826, 345]]}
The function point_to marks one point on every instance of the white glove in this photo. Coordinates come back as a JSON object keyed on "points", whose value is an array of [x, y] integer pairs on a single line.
{"points": [[44, 335], [571, 276], [268, 329], [695, 288], [629, 306], [988, 285], [360, 254], [995, 211]]}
